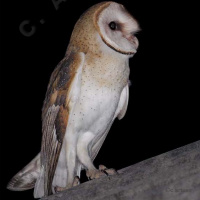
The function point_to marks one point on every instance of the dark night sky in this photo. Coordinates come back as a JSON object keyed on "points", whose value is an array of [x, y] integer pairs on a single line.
{"points": [[162, 112]]}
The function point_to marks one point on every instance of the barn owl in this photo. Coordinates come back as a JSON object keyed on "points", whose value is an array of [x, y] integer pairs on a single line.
{"points": [[87, 91]]}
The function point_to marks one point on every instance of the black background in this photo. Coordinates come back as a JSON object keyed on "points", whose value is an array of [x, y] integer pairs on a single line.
{"points": [[162, 112]]}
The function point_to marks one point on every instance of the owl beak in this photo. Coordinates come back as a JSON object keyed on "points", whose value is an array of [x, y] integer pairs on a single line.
{"points": [[133, 40]]}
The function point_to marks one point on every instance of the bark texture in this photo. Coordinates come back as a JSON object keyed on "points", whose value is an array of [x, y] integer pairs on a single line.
{"points": [[170, 176]]}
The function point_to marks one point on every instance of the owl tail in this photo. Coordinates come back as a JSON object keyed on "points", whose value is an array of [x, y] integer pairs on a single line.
{"points": [[26, 178], [32, 176], [60, 176]]}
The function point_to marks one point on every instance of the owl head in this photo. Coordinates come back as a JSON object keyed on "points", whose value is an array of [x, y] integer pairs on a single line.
{"points": [[110, 23]]}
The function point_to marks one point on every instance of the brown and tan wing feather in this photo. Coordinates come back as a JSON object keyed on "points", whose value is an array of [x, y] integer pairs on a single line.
{"points": [[56, 110]]}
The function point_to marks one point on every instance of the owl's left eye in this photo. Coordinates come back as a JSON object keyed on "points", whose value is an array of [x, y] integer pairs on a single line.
{"points": [[113, 26]]}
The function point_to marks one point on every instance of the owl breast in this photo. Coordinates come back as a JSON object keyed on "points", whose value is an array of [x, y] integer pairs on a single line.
{"points": [[102, 84]]}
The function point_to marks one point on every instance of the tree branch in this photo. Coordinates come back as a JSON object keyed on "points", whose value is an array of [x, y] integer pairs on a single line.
{"points": [[170, 176]]}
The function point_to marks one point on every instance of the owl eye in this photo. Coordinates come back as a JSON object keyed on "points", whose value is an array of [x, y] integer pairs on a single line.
{"points": [[113, 26]]}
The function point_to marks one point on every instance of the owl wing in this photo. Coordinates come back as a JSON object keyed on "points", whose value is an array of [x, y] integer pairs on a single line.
{"points": [[123, 103], [62, 94]]}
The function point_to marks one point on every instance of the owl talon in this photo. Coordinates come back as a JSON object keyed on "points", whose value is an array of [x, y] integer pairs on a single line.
{"points": [[58, 189], [103, 171], [107, 171], [102, 167], [75, 183], [94, 174], [111, 171]]}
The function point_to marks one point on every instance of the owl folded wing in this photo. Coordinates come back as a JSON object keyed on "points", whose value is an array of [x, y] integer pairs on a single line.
{"points": [[62, 94]]}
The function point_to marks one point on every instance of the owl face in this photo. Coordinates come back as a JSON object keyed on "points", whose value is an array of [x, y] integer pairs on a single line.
{"points": [[117, 28]]}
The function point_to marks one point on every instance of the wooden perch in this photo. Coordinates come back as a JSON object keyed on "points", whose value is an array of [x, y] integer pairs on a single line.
{"points": [[170, 176]]}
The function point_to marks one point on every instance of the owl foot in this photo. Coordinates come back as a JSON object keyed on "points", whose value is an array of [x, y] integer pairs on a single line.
{"points": [[94, 174], [103, 171], [107, 171], [75, 183]]}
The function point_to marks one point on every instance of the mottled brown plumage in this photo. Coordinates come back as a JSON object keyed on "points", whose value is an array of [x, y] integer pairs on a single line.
{"points": [[55, 114]]}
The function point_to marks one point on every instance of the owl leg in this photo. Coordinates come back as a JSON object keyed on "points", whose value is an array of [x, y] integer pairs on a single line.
{"points": [[71, 163], [83, 153]]}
